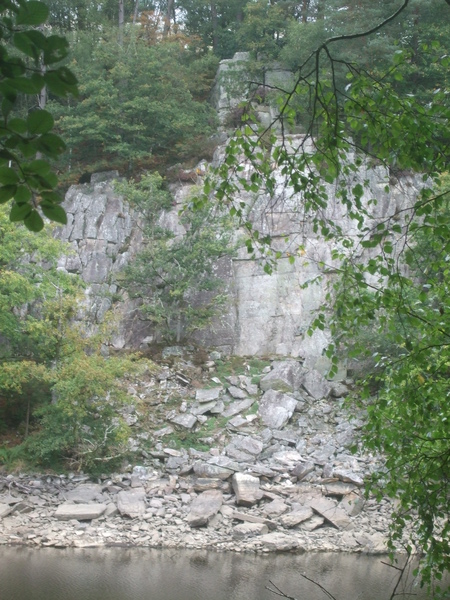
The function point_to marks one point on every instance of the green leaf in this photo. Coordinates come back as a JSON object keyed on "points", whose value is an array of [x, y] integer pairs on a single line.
{"points": [[50, 144], [8, 176], [32, 13], [39, 122], [19, 212], [7, 192], [54, 213], [17, 125], [22, 195], [34, 221]]}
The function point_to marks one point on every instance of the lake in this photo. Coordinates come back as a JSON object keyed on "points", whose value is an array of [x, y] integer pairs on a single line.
{"points": [[149, 574]]}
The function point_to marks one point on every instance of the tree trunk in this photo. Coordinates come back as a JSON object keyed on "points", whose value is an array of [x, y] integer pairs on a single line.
{"points": [[214, 23], [121, 21], [168, 17]]}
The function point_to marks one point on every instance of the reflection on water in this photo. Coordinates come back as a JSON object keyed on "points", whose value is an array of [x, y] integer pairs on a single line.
{"points": [[146, 574]]}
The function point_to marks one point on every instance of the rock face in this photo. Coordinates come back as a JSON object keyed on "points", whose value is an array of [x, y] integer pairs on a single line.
{"points": [[264, 315]]}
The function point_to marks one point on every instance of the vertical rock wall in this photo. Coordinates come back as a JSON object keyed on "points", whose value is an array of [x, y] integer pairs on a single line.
{"points": [[266, 314]]}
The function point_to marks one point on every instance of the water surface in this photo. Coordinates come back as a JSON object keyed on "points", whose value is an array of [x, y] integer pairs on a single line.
{"points": [[148, 574]]}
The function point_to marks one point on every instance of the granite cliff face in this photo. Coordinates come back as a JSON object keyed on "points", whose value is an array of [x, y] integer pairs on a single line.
{"points": [[266, 315]]}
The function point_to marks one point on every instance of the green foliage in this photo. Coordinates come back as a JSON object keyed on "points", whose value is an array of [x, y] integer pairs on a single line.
{"points": [[29, 63], [174, 275], [56, 388], [358, 109], [137, 103], [408, 419]]}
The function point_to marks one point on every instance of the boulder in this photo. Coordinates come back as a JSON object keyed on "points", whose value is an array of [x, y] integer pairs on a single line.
{"points": [[246, 488], [81, 512], [275, 508], [5, 509], [207, 395], [248, 518], [187, 421], [244, 530], [276, 408], [284, 377], [237, 407], [131, 503], [348, 476], [329, 510], [237, 393], [352, 504], [302, 470], [279, 542], [315, 384], [247, 444], [296, 517], [85, 493], [204, 507], [202, 469]]}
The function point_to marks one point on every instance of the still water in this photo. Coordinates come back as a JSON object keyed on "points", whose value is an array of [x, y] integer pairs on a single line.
{"points": [[146, 574]]}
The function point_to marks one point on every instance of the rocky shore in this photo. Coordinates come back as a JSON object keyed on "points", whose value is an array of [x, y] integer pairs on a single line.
{"points": [[277, 473]]}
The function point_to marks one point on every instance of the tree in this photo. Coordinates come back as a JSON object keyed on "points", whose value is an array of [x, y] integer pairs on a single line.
{"points": [[137, 102], [56, 387], [28, 63], [174, 275], [360, 114]]}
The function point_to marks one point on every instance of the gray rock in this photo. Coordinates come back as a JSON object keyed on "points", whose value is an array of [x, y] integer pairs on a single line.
{"points": [[207, 395], [247, 444], [237, 407], [202, 469], [246, 488], [276, 408], [352, 504], [248, 518], [315, 384], [329, 510], [296, 517], [131, 503], [338, 488], [279, 542], [284, 377], [245, 530], [200, 408], [302, 470], [204, 507], [187, 421], [85, 493], [81, 512], [275, 508], [5, 509], [314, 522], [202, 484], [348, 476], [237, 393]]}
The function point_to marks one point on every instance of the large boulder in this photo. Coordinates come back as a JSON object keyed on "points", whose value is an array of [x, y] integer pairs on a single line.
{"points": [[131, 503], [81, 512], [284, 377], [246, 488], [85, 493], [276, 408], [204, 507]]}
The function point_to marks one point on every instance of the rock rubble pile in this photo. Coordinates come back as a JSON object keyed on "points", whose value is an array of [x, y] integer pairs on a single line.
{"points": [[277, 474]]}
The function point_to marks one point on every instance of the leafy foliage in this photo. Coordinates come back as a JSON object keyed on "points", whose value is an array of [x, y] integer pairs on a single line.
{"points": [[137, 103], [28, 63], [56, 387], [391, 276], [174, 275]]}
